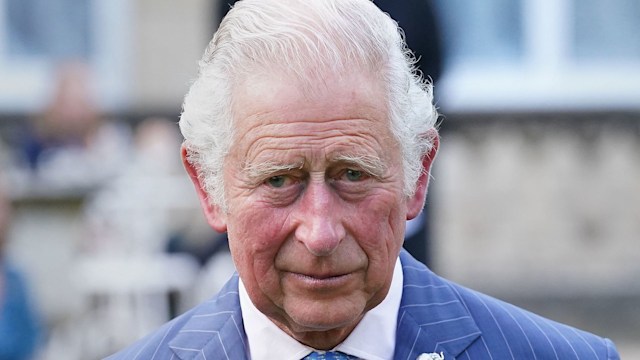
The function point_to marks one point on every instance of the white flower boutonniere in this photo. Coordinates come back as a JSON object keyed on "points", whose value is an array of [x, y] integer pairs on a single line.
{"points": [[431, 356]]}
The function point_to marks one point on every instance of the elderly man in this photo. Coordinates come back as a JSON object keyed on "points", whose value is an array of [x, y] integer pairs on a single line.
{"points": [[309, 140]]}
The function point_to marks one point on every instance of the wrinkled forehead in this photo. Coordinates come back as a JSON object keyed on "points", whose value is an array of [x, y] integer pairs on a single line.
{"points": [[344, 114], [338, 94], [310, 75]]}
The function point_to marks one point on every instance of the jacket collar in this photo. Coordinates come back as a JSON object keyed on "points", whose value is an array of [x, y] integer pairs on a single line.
{"points": [[432, 318], [215, 329]]}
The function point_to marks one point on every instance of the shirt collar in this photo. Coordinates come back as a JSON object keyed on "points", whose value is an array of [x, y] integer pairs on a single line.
{"points": [[373, 338]]}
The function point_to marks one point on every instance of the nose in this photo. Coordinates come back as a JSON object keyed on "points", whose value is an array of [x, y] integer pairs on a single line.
{"points": [[320, 226]]}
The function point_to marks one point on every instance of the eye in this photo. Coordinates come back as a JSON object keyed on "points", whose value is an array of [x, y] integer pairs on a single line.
{"points": [[281, 190], [276, 181], [354, 175]]}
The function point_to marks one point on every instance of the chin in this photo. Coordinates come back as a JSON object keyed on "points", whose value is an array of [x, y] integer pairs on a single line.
{"points": [[325, 317]]}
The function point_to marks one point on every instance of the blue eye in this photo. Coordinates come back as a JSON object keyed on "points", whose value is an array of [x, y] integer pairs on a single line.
{"points": [[276, 181], [354, 175]]}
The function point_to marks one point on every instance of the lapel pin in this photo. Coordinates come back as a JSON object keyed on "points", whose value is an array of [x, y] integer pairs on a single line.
{"points": [[431, 356]]}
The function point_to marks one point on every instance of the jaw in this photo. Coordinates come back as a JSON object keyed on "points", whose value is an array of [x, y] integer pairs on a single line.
{"points": [[321, 339]]}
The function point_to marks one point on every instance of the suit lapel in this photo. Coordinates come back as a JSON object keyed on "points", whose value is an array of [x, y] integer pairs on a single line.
{"points": [[431, 319], [215, 331]]}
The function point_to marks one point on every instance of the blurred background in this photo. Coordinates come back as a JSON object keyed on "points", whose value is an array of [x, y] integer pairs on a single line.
{"points": [[535, 197]]}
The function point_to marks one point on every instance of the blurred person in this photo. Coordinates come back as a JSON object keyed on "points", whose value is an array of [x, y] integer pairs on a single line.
{"points": [[418, 21], [69, 142], [309, 138], [155, 140], [19, 322], [114, 210]]}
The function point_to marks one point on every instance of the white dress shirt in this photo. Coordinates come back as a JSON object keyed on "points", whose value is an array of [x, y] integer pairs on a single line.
{"points": [[374, 338]]}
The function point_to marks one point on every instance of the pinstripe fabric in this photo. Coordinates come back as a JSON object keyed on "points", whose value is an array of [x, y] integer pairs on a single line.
{"points": [[435, 316], [439, 316]]}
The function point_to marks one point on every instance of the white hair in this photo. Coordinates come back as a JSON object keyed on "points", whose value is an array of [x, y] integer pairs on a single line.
{"points": [[304, 39]]}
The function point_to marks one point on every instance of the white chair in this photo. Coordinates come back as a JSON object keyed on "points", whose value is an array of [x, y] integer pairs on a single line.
{"points": [[126, 297]]}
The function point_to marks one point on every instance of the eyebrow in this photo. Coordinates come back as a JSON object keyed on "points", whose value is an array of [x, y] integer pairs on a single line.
{"points": [[257, 172], [369, 163]]}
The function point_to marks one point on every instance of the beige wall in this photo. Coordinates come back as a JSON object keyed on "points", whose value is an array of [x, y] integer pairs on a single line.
{"points": [[169, 38], [539, 209]]}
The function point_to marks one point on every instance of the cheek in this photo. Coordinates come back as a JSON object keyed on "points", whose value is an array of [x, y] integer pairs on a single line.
{"points": [[378, 227], [255, 236], [380, 220]]}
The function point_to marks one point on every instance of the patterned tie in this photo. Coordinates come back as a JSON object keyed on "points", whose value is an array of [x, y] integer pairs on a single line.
{"points": [[329, 355]]}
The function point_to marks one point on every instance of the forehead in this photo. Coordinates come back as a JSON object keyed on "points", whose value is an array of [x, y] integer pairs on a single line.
{"points": [[273, 113], [272, 87]]}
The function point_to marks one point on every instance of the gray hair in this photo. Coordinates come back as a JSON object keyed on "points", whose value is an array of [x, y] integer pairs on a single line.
{"points": [[304, 39]]}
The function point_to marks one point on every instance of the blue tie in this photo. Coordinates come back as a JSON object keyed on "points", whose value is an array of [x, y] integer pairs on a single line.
{"points": [[329, 355]]}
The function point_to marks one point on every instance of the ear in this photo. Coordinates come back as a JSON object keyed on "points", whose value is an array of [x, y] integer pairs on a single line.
{"points": [[215, 216], [416, 202]]}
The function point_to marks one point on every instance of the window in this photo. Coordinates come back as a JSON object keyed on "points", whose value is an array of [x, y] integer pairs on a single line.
{"points": [[481, 31], [36, 35], [607, 31], [55, 29], [540, 54]]}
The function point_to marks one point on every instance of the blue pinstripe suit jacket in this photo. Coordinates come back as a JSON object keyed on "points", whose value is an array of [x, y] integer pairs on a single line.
{"points": [[435, 315]]}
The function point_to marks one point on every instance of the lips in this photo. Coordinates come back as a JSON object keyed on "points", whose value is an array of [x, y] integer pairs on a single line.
{"points": [[320, 280], [320, 276]]}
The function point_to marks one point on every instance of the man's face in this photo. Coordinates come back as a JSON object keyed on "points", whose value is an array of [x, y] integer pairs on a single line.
{"points": [[316, 210]]}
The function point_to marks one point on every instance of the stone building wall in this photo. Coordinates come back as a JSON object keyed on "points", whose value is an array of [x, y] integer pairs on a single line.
{"points": [[539, 205]]}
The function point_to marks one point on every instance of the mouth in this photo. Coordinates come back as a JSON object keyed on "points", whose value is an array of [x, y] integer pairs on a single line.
{"points": [[319, 276], [321, 280]]}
